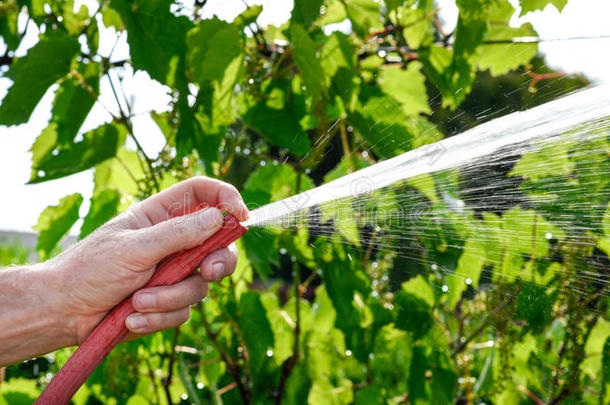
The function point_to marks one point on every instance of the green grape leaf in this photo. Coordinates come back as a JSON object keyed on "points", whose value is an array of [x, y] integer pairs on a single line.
{"points": [[341, 283], [280, 181], [547, 160], [305, 12], [156, 36], [307, 62], [338, 59], [413, 314], [502, 58], [453, 71], [255, 328], [55, 221], [534, 305], [278, 117], [365, 15], [104, 206], [9, 12], [53, 163], [111, 18], [248, 16], [73, 101], [390, 366], [73, 21], [419, 287], [533, 5], [323, 392], [381, 121], [282, 327], [594, 349], [468, 271], [44, 64], [407, 86], [261, 249], [369, 395], [212, 46], [19, 391], [333, 12], [118, 174], [418, 27]]}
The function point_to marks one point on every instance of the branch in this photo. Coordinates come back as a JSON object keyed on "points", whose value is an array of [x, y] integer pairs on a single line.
{"points": [[290, 362], [124, 119], [542, 76], [172, 358], [232, 367], [530, 394]]}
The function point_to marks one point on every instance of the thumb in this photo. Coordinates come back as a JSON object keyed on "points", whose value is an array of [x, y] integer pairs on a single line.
{"points": [[153, 243]]}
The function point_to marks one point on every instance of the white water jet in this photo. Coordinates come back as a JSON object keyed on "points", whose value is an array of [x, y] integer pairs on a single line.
{"points": [[484, 140]]}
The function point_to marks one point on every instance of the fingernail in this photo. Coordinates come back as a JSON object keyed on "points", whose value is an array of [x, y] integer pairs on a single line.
{"points": [[145, 300], [218, 270], [136, 322], [245, 210]]}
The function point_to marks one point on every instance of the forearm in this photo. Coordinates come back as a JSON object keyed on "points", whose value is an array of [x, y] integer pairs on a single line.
{"points": [[31, 318]]}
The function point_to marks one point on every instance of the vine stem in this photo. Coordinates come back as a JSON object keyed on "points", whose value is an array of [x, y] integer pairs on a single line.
{"points": [[530, 394], [291, 362], [170, 372], [124, 119], [232, 367]]}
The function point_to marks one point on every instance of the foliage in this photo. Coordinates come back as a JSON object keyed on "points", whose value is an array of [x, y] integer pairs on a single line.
{"points": [[309, 317]]}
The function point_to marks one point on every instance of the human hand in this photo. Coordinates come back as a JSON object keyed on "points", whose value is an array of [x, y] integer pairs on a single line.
{"points": [[120, 257]]}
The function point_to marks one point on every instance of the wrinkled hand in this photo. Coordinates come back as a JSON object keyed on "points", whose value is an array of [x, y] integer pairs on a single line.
{"points": [[121, 256]]}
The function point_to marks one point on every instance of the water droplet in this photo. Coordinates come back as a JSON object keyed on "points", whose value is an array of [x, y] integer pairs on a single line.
{"points": [[445, 288], [348, 352], [549, 235], [468, 281], [269, 353], [41, 173], [184, 397], [382, 53], [283, 251], [200, 385], [434, 266]]}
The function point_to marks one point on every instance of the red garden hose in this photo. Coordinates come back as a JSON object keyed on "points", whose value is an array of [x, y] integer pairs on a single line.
{"points": [[111, 330]]}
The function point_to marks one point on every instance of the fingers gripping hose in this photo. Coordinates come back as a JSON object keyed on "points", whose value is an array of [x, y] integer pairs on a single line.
{"points": [[111, 330]]}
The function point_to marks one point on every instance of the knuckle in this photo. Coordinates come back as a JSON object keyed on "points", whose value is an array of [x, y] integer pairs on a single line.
{"points": [[185, 315]]}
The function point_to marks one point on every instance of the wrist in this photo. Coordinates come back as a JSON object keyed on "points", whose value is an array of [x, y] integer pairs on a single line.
{"points": [[32, 321], [53, 274]]}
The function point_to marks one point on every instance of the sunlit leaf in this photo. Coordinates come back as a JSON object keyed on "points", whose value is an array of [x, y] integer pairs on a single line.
{"points": [[156, 36], [104, 206], [97, 146], [44, 64], [55, 221], [255, 328], [533, 5], [307, 61]]}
